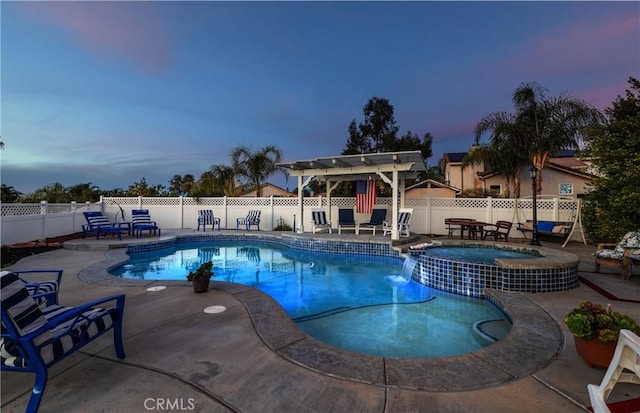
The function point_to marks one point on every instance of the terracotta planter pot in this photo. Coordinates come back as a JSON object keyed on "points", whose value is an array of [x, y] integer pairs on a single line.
{"points": [[595, 352], [200, 285]]}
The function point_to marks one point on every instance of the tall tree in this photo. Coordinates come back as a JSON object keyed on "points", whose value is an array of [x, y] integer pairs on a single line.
{"points": [[9, 194], [257, 166], [84, 192], [377, 132], [541, 126], [611, 205]]}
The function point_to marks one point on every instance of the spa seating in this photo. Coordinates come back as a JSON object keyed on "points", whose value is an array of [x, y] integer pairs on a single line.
{"points": [[35, 337], [320, 222], [206, 217], [141, 221], [376, 221], [619, 255], [346, 220], [626, 356], [252, 218], [404, 222], [98, 223]]}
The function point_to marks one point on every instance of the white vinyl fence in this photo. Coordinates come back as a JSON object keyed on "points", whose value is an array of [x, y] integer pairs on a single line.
{"points": [[29, 222]]}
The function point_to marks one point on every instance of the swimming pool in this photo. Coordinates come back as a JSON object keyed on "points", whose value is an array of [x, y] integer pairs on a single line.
{"points": [[362, 303]]}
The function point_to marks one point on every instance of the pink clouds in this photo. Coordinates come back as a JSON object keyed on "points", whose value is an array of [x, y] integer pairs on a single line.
{"points": [[587, 47], [130, 30]]}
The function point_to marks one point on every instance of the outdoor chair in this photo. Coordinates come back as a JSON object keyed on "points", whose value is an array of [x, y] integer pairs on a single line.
{"points": [[619, 255], [141, 221], [44, 292], [626, 356], [252, 218], [34, 338], [404, 222], [501, 231], [320, 222], [376, 221], [98, 223], [346, 220], [206, 217]]}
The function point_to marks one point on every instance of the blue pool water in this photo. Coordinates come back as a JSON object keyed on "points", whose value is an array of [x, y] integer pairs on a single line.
{"points": [[360, 303]]}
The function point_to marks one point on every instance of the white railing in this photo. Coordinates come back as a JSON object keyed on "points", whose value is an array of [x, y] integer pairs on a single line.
{"points": [[28, 222]]}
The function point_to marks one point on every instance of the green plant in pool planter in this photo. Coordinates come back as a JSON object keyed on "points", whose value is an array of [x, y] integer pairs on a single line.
{"points": [[591, 321], [203, 271]]}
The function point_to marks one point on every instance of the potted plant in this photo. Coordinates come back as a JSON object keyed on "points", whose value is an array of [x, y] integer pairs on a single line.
{"points": [[595, 331], [201, 276]]}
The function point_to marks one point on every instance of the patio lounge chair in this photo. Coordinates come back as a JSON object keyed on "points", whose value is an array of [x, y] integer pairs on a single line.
{"points": [[618, 255], [376, 221], [501, 231], [141, 221], [44, 292], [404, 222], [98, 223], [346, 220], [320, 222], [206, 217], [252, 218], [626, 356], [34, 338]]}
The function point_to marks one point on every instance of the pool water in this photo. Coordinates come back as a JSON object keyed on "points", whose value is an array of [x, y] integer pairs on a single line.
{"points": [[360, 303], [475, 254]]}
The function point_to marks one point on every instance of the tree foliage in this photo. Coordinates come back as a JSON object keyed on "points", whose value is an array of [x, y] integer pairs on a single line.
{"points": [[9, 194], [256, 166], [379, 133], [540, 127], [612, 203]]}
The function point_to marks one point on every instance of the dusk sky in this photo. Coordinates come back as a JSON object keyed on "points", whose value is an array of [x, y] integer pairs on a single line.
{"points": [[111, 92]]}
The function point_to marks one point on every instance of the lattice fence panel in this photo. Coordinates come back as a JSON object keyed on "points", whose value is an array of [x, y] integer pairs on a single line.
{"points": [[204, 202]]}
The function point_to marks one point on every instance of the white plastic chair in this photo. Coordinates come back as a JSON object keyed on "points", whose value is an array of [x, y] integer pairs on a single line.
{"points": [[626, 356], [320, 222]]}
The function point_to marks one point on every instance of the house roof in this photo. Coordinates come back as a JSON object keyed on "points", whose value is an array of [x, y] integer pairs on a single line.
{"points": [[266, 184], [430, 183]]}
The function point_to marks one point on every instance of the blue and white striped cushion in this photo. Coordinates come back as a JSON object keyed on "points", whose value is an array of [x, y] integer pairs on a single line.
{"points": [[23, 310], [100, 220], [141, 219], [319, 217]]}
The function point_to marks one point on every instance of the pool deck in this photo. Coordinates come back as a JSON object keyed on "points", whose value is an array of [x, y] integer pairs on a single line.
{"points": [[251, 358]]}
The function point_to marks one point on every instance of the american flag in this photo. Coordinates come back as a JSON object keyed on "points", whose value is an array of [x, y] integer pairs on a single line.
{"points": [[365, 196]]}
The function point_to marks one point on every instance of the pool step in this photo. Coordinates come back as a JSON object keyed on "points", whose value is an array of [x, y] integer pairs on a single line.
{"points": [[492, 330]]}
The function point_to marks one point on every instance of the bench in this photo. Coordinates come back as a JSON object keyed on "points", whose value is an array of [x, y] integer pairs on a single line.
{"points": [[555, 231]]}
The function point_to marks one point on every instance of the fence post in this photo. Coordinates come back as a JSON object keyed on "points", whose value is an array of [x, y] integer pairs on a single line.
{"points": [[43, 212], [489, 212], [74, 208], [556, 209], [181, 206], [224, 208]]}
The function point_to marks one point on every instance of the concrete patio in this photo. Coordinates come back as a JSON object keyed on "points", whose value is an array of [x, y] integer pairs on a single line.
{"points": [[182, 359]]}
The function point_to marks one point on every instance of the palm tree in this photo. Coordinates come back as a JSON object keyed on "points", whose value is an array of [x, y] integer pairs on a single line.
{"points": [[225, 179], [504, 154], [9, 194], [257, 166], [540, 127]]}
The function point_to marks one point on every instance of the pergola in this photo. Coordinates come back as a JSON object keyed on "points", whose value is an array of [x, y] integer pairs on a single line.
{"points": [[392, 168]]}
